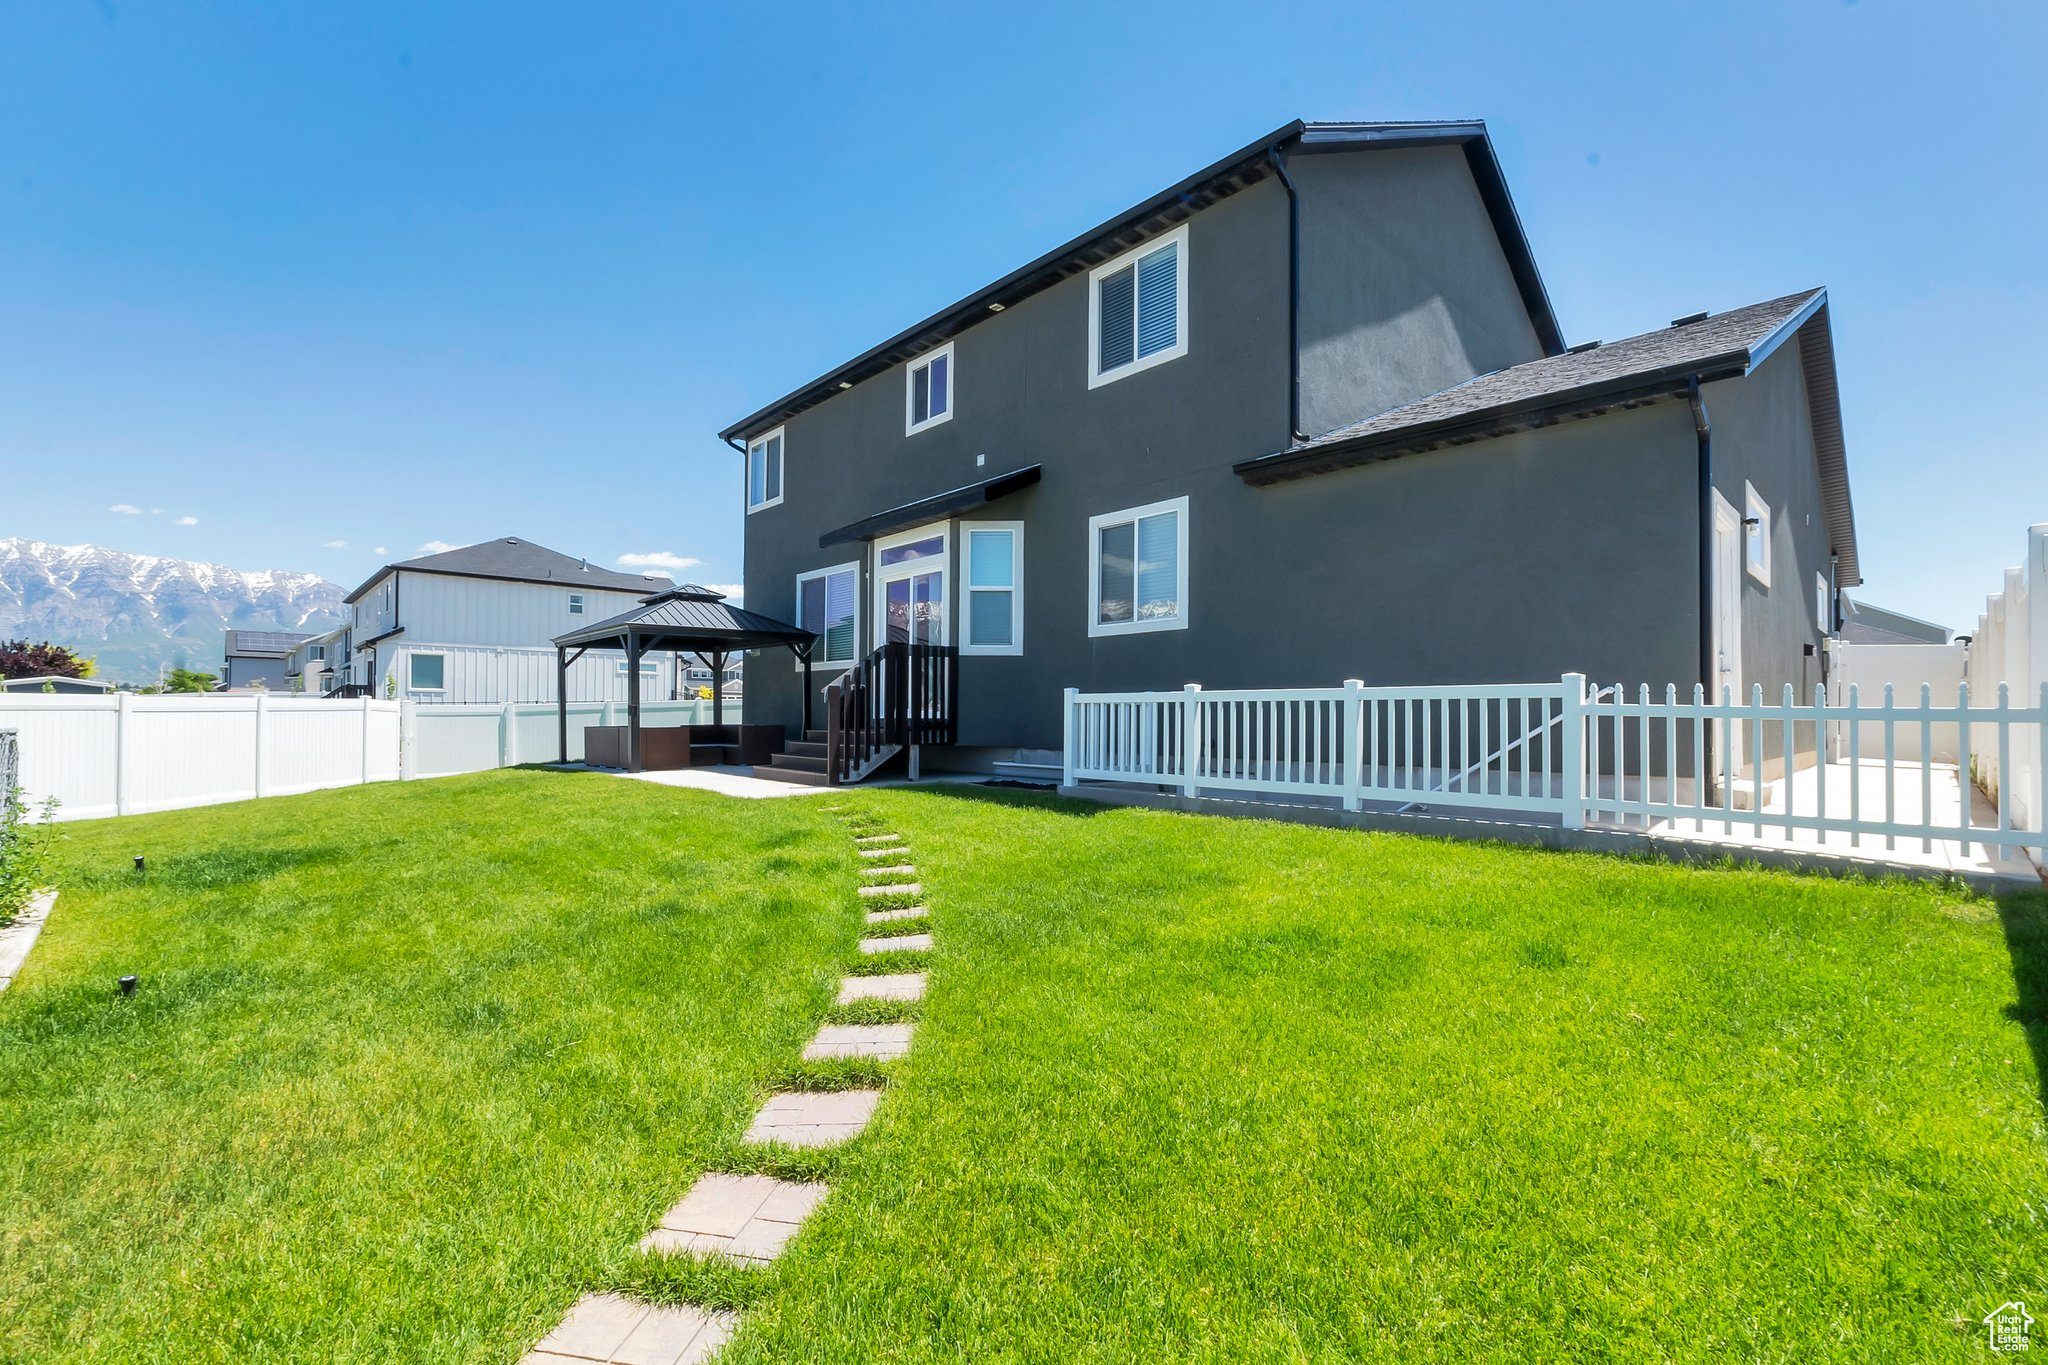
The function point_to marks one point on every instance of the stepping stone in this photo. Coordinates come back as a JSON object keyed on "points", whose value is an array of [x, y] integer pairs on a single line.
{"points": [[876, 838], [906, 943], [895, 852], [812, 1118], [744, 1217], [907, 912], [899, 889], [900, 870], [883, 1042], [612, 1328], [903, 986]]}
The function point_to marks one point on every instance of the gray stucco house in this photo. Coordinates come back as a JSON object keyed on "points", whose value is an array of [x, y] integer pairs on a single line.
{"points": [[1305, 416], [256, 658]]}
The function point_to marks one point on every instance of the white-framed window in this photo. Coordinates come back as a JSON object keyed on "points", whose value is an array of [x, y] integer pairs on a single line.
{"points": [[992, 565], [575, 604], [928, 384], [316, 651], [764, 471], [427, 672], [1138, 569], [1823, 615], [1756, 534], [828, 602], [648, 668], [1138, 309]]}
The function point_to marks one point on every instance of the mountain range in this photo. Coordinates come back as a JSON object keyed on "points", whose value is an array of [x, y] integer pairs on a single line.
{"points": [[135, 612]]}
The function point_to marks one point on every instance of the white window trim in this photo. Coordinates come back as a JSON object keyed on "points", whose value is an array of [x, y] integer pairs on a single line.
{"points": [[781, 472], [413, 654], [576, 602], [911, 426], [1179, 620], [852, 567], [1823, 605], [1096, 377], [882, 576], [649, 668], [1016, 588], [1753, 505]]}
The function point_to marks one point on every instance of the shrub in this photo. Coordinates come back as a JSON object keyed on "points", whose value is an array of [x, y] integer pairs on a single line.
{"points": [[24, 851]]}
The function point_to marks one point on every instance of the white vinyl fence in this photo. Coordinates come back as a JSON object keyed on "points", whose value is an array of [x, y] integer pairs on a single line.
{"points": [[124, 754], [2010, 649], [1580, 755]]}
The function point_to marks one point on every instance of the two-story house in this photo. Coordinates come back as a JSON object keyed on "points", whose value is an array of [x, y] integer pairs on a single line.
{"points": [[477, 624], [1305, 416]]}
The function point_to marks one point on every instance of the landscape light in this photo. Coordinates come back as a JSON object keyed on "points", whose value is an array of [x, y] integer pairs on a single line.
{"points": [[128, 984], [139, 865]]}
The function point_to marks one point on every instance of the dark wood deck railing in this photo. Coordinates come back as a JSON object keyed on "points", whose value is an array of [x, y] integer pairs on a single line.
{"points": [[898, 695]]}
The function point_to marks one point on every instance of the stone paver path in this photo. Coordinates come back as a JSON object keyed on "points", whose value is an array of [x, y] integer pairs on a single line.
{"points": [[610, 1328], [744, 1217], [813, 1119], [877, 838], [885, 916], [883, 1042], [901, 986], [906, 943], [899, 870], [899, 889]]}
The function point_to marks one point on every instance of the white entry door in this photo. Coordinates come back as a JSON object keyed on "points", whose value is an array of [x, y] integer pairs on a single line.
{"points": [[1728, 548], [910, 586]]}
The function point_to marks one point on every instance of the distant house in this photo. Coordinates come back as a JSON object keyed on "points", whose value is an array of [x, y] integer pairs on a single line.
{"points": [[478, 624], [256, 658], [309, 668], [55, 682]]}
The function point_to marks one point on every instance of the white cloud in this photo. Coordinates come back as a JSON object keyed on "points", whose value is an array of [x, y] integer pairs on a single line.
{"points": [[188, 521], [732, 590], [126, 509], [335, 545], [380, 550], [156, 511], [434, 547], [659, 559]]}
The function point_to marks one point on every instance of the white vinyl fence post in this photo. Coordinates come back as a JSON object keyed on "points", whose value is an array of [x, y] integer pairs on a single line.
{"points": [[1067, 736], [364, 718], [408, 741], [508, 736], [2041, 766], [124, 756], [1354, 744], [1574, 722], [1190, 751], [262, 741]]}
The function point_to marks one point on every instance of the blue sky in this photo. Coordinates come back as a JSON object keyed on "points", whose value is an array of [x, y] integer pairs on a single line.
{"points": [[316, 279]]}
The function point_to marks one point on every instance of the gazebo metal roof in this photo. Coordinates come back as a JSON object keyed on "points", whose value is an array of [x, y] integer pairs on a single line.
{"points": [[690, 619]]}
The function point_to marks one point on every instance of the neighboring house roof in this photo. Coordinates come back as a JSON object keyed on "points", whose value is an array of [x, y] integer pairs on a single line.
{"points": [[1863, 623], [34, 682], [1589, 380], [262, 644], [1241, 169], [520, 561]]}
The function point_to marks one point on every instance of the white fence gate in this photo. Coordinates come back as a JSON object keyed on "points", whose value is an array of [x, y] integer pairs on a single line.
{"points": [[125, 754], [1583, 756]]}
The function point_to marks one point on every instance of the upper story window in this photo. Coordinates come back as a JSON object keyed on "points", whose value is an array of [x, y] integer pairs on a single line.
{"points": [[1138, 569], [994, 560], [316, 651], [764, 471], [928, 390], [825, 603], [1756, 534], [575, 604], [1138, 309]]}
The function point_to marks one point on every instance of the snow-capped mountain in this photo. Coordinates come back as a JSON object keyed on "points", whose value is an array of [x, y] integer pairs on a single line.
{"points": [[132, 612]]}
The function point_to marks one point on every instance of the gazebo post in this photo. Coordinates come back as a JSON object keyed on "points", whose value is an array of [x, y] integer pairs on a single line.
{"points": [[718, 687], [562, 699], [634, 649]]}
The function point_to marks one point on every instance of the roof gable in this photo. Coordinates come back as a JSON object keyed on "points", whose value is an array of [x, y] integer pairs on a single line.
{"points": [[515, 560], [1167, 210]]}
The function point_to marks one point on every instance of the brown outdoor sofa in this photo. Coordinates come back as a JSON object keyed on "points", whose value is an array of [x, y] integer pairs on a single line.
{"points": [[683, 746]]}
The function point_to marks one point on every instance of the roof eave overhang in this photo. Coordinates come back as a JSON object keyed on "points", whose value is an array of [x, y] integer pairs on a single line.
{"points": [[934, 508], [1588, 401], [1170, 207]]}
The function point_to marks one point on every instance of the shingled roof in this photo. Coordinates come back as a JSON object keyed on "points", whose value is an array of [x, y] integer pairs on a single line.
{"points": [[521, 561], [1587, 381]]}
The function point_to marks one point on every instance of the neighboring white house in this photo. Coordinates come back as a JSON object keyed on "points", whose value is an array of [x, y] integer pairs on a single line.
{"points": [[478, 624]]}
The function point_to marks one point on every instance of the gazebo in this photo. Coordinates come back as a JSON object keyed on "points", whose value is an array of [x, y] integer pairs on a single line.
{"points": [[685, 620]]}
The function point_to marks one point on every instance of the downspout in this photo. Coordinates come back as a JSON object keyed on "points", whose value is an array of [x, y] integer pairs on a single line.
{"points": [[1295, 434], [1703, 431]]}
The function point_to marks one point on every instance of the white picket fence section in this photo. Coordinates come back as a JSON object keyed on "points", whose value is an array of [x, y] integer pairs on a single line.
{"points": [[124, 754], [1582, 756]]}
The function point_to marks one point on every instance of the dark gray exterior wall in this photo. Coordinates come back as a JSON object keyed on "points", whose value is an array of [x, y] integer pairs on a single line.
{"points": [[241, 671], [1404, 288], [1763, 433]]}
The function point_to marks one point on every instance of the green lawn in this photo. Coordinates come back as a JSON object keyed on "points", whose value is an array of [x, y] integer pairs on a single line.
{"points": [[411, 1066]]}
